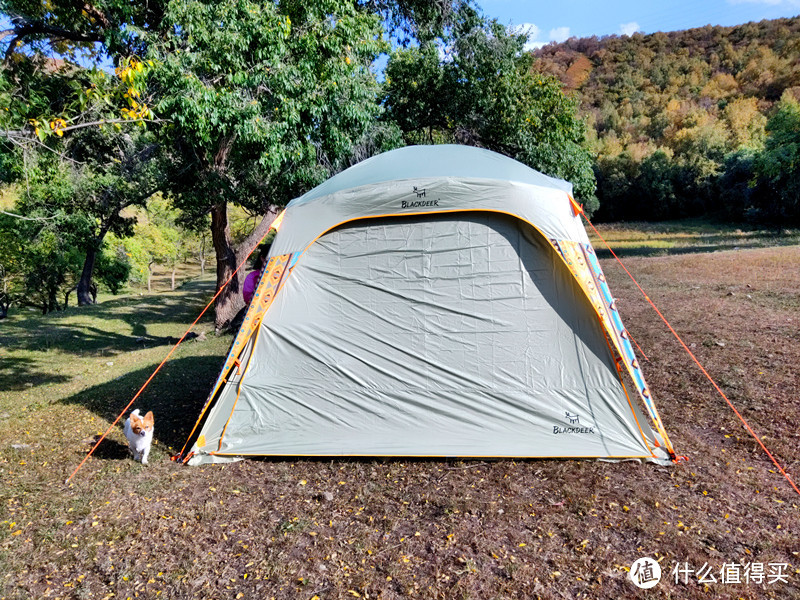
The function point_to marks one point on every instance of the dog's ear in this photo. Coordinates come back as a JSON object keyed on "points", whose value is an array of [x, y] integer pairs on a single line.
{"points": [[135, 418], [149, 419]]}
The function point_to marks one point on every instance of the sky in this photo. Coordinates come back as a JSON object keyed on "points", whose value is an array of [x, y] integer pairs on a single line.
{"points": [[556, 21]]}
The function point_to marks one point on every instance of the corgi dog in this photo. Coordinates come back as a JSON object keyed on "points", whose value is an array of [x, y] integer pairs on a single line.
{"points": [[139, 432]]}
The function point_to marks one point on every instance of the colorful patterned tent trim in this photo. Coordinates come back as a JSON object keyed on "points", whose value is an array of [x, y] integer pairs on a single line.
{"points": [[582, 262], [268, 283]]}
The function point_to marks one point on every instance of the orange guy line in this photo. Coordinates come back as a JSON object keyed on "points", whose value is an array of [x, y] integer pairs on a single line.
{"points": [[697, 362]]}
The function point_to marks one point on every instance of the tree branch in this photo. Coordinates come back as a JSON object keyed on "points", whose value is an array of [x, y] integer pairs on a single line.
{"points": [[5, 212], [97, 14], [31, 29], [8, 133], [258, 232], [34, 139]]}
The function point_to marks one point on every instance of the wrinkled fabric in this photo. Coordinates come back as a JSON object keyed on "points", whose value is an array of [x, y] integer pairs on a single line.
{"points": [[456, 334], [547, 208]]}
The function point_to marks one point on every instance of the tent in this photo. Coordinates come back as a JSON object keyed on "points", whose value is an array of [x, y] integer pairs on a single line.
{"points": [[432, 301]]}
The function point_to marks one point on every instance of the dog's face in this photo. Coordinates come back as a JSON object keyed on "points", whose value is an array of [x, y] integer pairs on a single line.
{"points": [[143, 426]]}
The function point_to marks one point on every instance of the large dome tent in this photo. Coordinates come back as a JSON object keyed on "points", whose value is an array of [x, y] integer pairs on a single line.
{"points": [[432, 301]]}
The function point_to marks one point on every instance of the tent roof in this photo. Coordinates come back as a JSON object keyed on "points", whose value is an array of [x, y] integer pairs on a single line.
{"points": [[423, 162], [430, 179]]}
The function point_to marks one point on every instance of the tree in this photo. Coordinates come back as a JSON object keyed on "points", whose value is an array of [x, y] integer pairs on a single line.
{"points": [[54, 106], [778, 166], [121, 170], [113, 269], [479, 88], [260, 98], [418, 21], [167, 242], [741, 195], [11, 253], [657, 187], [55, 111], [746, 125], [40, 261], [98, 176], [616, 175]]}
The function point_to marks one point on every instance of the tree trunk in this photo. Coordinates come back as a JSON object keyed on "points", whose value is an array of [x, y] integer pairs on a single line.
{"points": [[172, 286], [150, 274], [230, 301], [85, 282], [52, 301], [202, 255], [87, 293], [5, 303]]}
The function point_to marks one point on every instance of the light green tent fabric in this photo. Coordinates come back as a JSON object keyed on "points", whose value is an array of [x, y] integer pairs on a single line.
{"points": [[454, 333], [431, 179]]}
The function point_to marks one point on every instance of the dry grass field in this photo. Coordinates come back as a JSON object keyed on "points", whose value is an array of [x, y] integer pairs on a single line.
{"points": [[396, 528]]}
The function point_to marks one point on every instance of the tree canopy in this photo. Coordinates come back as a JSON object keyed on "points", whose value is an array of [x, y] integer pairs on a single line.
{"points": [[248, 104], [479, 88]]}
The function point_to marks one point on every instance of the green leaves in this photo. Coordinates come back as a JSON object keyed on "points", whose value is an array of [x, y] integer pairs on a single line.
{"points": [[479, 88], [261, 95], [778, 166]]}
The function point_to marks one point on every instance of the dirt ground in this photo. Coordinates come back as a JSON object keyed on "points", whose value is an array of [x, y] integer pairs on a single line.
{"points": [[450, 529]]}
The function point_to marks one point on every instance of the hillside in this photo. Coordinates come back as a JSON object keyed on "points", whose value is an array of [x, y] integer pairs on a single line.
{"points": [[706, 66], [667, 110]]}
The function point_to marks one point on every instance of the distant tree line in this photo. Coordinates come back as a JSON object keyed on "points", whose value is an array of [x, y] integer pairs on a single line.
{"points": [[696, 122]]}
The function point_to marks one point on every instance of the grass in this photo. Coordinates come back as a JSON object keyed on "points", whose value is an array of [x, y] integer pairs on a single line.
{"points": [[686, 236], [398, 528]]}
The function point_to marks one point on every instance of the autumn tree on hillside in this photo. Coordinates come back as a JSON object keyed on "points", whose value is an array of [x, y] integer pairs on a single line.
{"points": [[700, 98]]}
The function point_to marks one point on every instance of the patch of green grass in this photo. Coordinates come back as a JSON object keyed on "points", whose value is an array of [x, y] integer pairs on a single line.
{"points": [[685, 236], [97, 357]]}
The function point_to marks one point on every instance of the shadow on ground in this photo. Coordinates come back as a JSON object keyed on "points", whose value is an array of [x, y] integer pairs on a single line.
{"points": [[55, 332], [109, 449], [20, 373], [176, 395], [646, 251]]}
